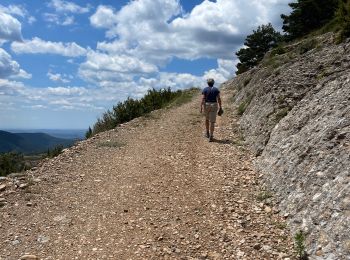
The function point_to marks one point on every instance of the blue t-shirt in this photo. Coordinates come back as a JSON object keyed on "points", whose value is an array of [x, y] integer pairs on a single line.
{"points": [[210, 94]]}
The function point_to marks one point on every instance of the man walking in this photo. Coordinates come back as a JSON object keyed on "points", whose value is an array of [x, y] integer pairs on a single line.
{"points": [[210, 101]]}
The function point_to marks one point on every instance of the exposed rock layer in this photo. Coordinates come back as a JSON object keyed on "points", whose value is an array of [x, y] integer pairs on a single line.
{"points": [[296, 118]]}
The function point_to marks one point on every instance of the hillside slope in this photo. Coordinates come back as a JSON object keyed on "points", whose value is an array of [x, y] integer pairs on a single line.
{"points": [[30, 142], [151, 189], [296, 118]]}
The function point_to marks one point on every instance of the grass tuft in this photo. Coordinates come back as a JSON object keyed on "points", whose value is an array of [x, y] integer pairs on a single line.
{"points": [[299, 240]]}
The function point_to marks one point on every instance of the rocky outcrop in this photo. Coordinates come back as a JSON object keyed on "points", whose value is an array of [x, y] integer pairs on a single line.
{"points": [[296, 118]]}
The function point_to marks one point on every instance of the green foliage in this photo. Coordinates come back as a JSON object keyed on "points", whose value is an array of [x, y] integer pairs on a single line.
{"points": [[280, 225], [257, 44], [308, 15], [131, 108], [282, 113], [307, 45], [184, 97], [11, 162], [243, 106], [343, 18], [246, 81], [88, 133], [55, 151], [264, 195], [279, 50], [299, 239]]}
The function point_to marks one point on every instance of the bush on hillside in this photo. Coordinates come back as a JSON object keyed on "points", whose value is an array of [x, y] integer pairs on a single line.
{"points": [[54, 151], [133, 108], [343, 18], [257, 45], [11, 162]]}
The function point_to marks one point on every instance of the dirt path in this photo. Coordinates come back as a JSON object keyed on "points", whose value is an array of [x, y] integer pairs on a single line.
{"points": [[153, 189]]}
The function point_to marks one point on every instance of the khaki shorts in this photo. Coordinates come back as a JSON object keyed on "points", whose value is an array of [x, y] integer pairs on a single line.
{"points": [[211, 109]]}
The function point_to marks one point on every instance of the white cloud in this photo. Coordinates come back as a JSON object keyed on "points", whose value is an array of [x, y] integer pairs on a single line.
{"points": [[104, 67], [223, 72], [14, 9], [68, 7], [10, 68], [21, 74], [158, 30], [12, 88], [38, 107], [31, 19], [104, 17], [176, 81], [69, 20], [10, 28], [58, 77], [18, 10], [66, 91], [37, 45], [52, 18], [64, 20], [63, 12]]}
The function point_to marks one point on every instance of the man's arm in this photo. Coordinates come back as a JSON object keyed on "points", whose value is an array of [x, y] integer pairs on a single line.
{"points": [[202, 102], [219, 100]]}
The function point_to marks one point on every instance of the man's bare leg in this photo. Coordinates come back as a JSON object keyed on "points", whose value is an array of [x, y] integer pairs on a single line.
{"points": [[207, 126], [212, 126]]}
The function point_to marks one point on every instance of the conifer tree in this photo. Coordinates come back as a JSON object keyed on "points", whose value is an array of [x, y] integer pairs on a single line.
{"points": [[308, 15], [257, 44]]}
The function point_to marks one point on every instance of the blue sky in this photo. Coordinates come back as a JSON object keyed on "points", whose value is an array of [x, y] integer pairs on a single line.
{"points": [[63, 63]]}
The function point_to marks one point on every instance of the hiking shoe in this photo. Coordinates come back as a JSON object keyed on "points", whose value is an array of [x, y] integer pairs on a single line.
{"points": [[207, 135], [211, 138]]}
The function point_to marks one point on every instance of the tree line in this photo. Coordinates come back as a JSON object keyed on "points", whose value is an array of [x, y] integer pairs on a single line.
{"points": [[306, 17]]}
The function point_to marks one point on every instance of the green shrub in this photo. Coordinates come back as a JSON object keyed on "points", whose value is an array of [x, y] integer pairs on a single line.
{"points": [[241, 108], [279, 50], [55, 151], [11, 162], [307, 46], [184, 97], [131, 108], [88, 133], [299, 239], [264, 195], [343, 18], [246, 81], [282, 113]]}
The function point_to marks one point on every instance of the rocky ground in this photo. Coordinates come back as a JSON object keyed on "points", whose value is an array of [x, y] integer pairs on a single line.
{"points": [[155, 188]]}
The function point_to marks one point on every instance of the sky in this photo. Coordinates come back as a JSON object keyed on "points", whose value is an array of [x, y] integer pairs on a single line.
{"points": [[63, 63]]}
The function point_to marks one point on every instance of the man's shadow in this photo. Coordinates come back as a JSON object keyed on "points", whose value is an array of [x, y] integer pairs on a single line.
{"points": [[223, 141]]}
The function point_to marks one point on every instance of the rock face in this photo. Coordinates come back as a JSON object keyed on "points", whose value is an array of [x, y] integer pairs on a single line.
{"points": [[296, 118]]}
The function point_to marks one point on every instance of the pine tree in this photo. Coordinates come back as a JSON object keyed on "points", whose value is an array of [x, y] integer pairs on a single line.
{"points": [[343, 17], [308, 15], [257, 44], [88, 133]]}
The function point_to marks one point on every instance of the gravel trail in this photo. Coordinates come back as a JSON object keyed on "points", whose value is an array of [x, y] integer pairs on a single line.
{"points": [[154, 188]]}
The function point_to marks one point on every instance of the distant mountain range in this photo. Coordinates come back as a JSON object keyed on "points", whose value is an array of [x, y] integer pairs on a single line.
{"points": [[30, 143]]}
